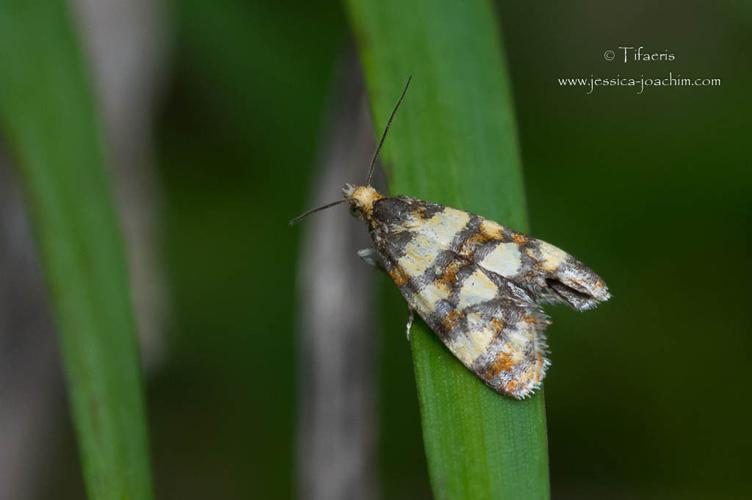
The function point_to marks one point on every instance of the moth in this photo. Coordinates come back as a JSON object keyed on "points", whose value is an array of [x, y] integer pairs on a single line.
{"points": [[477, 284]]}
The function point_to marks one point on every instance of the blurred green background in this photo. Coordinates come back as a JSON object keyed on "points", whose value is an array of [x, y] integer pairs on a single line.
{"points": [[647, 396]]}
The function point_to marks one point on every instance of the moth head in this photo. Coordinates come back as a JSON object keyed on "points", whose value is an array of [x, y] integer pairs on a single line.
{"points": [[361, 199]]}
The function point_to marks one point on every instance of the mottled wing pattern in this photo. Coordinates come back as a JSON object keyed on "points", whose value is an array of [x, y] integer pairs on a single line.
{"points": [[492, 325], [548, 273]]}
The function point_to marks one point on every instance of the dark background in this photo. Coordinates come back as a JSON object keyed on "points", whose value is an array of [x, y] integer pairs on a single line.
{"points": [[647, 396]]}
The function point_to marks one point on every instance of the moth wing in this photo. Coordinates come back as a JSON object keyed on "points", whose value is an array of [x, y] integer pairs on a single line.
{"points": [[549, 272], [489, 323], [501, 340], [486, 321]]}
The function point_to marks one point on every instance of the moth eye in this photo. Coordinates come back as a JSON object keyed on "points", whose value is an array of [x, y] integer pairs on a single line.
{"points": [[353, 211]]}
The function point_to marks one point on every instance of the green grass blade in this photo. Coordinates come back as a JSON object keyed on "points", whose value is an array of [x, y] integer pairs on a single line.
{"points": [[49, 124], [455, 142]]}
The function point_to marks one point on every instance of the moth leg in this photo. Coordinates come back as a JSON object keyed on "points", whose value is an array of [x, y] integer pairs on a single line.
{"points": [[410, 319], [369, 256]]}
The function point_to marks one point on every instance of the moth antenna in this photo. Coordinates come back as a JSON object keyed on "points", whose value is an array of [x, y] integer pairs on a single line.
{"points": [[314, 210], [386, 129]]}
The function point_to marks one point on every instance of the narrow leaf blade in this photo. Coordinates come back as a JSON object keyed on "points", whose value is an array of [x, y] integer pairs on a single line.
{"points": [[455, 143], [48, 122]]}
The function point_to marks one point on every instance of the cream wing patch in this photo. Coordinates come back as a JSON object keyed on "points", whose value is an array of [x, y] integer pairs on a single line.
{"points": [[431, 237], [551, 256], [505, 260], [444, 226], [476, 288], [430, 295], [420, 254], [492, 229], [469, 345], [520, 338]]}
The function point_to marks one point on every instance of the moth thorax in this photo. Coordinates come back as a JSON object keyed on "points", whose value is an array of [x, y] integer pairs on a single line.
{"points": [[361, 198]]}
